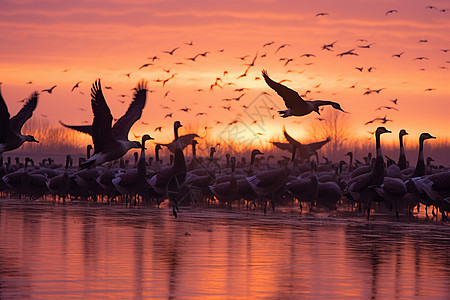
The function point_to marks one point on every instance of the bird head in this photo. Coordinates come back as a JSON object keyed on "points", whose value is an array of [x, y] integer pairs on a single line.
{"points": [[30, 138], [403, 132], [337, 106], [381, 130], [146, 137], [426, 136]]}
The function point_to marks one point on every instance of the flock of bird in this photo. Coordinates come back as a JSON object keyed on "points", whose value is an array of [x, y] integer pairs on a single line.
{"points": [[369, 185]]}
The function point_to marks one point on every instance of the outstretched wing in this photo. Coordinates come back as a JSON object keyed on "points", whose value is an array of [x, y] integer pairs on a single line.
{"points": [[317, 145], [5, 129], [102, 135], [290, 97], [24, 114], [80, 128], [284, 146], [134, 112]]}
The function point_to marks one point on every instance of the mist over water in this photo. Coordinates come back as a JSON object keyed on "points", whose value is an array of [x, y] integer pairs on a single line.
{"points": [[55, 251]]}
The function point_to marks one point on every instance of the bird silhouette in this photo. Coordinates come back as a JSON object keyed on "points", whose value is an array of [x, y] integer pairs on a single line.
{"points": [[10, 128], [281, 47], [398, 55], [76, 85], [391, 11], [50, 90], [171, 51], [295, 104]]}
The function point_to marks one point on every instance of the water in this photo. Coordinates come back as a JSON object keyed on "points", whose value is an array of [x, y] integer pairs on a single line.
{"points": [[55, 251]]}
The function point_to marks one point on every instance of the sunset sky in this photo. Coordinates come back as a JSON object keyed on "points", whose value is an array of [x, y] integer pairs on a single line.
{"points": [[47, 43]]}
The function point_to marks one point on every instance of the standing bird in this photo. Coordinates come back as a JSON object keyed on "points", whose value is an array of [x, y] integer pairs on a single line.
{"points": [[107, 145], [10, 136], [295, 104]]}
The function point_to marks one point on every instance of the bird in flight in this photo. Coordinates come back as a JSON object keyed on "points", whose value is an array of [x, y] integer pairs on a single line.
{"points": [[76, 85], [349, 52], [328, 46], [391, 11], [322, 14], [366, 46], [145, 65], [50, 90], [386, 107], [295, 104], [171, 51], [398, 55], [281, 47], [268, 44]]}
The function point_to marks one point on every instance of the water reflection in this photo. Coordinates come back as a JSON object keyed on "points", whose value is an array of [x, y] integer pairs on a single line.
{"points": [[56, 251]]}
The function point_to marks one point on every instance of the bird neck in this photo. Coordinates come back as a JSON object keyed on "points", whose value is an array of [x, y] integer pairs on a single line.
{"points": [[141, 164], [194, 152], [157, 154], [379, 162]]}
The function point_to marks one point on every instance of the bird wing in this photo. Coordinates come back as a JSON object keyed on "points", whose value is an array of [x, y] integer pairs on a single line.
{"points": [[80, 128], [283, 146], [24, 114], [317, 145], [102, 135], [291, 98], [5, 128], [134, 112]]}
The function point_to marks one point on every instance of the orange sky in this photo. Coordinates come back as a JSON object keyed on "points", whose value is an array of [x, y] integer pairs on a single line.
{"points": [[107, 39]]}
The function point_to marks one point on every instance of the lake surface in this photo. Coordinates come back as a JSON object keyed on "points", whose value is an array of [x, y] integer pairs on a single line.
{"points": [[55, 251]]}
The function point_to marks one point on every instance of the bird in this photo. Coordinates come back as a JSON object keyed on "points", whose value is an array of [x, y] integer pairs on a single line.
{"points": [[322, 14], [386, 107], [107, 145], [166, 181], [50, 90], [145, 65], [366, 46], [268, 44], [76, 85], [134, 181], [328, 46], [349, 52], [281, 47], [295, 104], [402, 163], [10, 128], [132, 114], [398, 55], [171, 51], [226, 192], [391, 11], [360, 188]]}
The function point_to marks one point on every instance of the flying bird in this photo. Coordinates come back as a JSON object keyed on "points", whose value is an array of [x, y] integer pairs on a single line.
{"points": [[295, 104], [171, 51], [398, 55], [50, 90], [281, 47], [76, 85], [10, 128], [322, 14], [110, 145], [391, 11], [145, 65]]}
